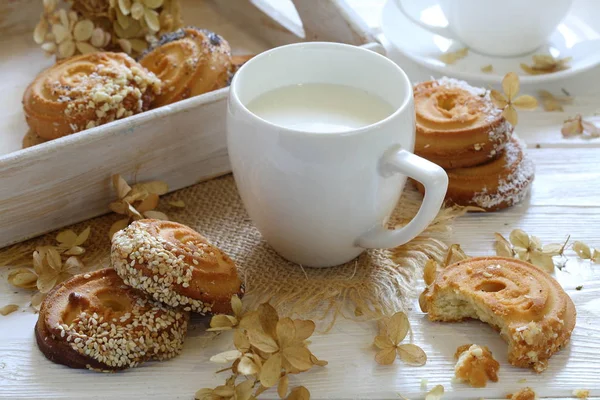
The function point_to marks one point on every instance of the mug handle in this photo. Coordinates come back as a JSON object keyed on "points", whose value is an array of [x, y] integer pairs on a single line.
{"points": [[435, 180], [438, 30]]}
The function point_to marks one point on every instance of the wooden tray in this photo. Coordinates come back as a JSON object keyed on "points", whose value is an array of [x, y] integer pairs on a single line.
{"points": [[68, 180]]}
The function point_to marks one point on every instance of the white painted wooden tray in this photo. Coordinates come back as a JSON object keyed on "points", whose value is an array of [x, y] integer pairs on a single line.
{"points": [[68, 180]]}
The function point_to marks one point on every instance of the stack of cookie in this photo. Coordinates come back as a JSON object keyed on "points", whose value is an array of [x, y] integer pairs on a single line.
{"points": [[118, 318], [460, 129]]}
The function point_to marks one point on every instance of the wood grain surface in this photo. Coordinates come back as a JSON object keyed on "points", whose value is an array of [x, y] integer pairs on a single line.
{"points": [[565, 200]]}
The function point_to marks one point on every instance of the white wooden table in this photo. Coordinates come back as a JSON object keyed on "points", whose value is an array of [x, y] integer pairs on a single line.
{"points": [[565, 200]]}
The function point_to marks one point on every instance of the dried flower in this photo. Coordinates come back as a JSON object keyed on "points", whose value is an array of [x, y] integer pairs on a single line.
{"points": [[93, 25], [268, 349], [8, 309], [51, 264], [454, 254], [65, 34], [546, 64], [509, 100], [177, 203], [585, 252], [222, 322], [578, 126], [453, 56], [553, 103], [487, 68], [529, 248], [392, 331], [70, 242], [142, 10], [136, 202], [436, 393], [50, 268]]}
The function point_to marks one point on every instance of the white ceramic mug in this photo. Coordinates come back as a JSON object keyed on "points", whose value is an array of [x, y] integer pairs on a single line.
{"points": [[494, 27], [320, 199]]}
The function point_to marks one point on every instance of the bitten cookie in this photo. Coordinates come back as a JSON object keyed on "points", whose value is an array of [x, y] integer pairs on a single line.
{"points": [[526, 305]]}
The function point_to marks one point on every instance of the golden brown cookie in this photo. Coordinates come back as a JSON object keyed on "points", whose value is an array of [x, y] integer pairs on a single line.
{"points": [[525, 304], [495, 185], [85, 91], [189, 62], [175, 265], [457, 124], [95, 321]]}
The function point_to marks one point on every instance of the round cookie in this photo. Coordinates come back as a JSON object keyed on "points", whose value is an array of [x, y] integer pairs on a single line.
{"points": [[95, 321], [457, 125], [524, 303], [189, 62], [175, 265], [495, 185], [85, 91]]}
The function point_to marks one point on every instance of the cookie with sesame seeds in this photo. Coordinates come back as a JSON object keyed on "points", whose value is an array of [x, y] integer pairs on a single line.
{"points": [[97, 322], [176, 265], [189, 62]]}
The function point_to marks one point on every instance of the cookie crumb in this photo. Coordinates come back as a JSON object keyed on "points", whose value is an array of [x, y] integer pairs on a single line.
{"points": [[581, 394], [523, 394], [475, 365]]}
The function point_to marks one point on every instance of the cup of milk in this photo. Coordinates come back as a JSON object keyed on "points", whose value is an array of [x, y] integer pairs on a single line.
{"points": [[320, 138]]}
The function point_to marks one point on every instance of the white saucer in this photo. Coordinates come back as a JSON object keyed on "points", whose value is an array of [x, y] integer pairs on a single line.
{"points": [[578, 36]]}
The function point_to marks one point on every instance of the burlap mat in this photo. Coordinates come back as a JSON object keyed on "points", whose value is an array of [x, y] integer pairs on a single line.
{"points": [[378, 282]]}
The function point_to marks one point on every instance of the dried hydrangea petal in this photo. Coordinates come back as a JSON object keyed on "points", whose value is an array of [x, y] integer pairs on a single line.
{"points": [[582, 250], [299, 393], [412, 354], [40, 31], [82, 31], [226, 356], [386, 356], [97, 38], [23, 278], [436, 393], [502, 246], [124, 6], [156, 215], [151, 18], [137, 10], [271, 371], [510, 85], [49, 5], [61, 33], [526, 102], [177, 203], [498, 99], [66, 49], [49, 47], [8, 309]]}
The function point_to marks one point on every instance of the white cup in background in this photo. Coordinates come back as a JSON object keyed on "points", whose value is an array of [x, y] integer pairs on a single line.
{"points": [[494, 27], [320, 199]]}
